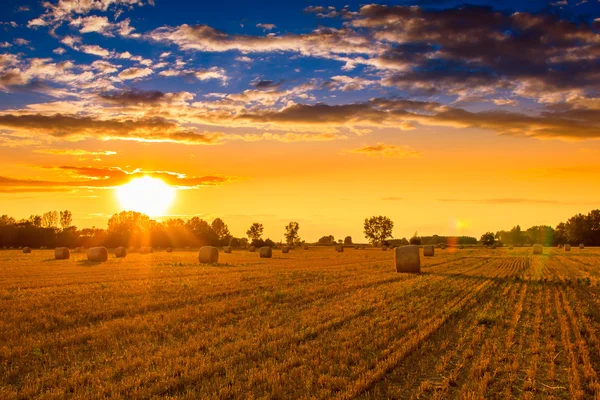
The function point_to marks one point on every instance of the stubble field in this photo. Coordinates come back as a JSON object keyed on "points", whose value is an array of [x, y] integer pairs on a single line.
{"points": [[476, 323]]}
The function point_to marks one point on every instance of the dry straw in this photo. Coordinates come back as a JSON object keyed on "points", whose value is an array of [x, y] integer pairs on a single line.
{"points": [[62, 253], [305, 247], [97, 254], [169, 250], [407, 259], [538, 249], [428, 251], [567, 247], [251, 249], [339, 249], [146, 250], [227, 249], [208, 255], [121, 252], [582, 246], [265, 252], [285, 250], [26, 250]]}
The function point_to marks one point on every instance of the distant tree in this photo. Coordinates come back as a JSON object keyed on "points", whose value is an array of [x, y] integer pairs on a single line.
{"points": [[291, 233], [129, 228], [6, 220], [50, 219], [235, 243], [340, 241], [560, 234], [269, 243], [415, 239], [488, 239], [255, 231], [542, 234], [66, 219], [348, 240], [377, 229], [326, 240], [36, 220], [202, 231], [221, 230]]}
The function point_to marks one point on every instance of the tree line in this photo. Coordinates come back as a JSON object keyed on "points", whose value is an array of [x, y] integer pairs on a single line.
{"points": [[130, 228]]}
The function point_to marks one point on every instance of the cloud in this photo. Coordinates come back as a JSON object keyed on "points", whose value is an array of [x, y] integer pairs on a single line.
{"points": [[321, 42], [77, 127], [266, 84], [59, 50], [105, 178], [75, 152], [392, 198], [266, 27], [388, 151], [501, 201], [245, 59], [135, 73], [101, 25], [132, 96], [65, 10], [199, 74]]}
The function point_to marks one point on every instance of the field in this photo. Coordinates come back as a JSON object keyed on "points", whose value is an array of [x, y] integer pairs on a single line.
{"points": [[476, 323]]}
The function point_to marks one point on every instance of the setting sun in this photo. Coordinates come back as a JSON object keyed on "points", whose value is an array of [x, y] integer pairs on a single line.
{"points": [[148, 195]]}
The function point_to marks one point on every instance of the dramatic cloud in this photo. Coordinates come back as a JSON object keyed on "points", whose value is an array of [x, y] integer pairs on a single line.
{"points": [[266, 27], [76, 127], [105, 178], [75, 152]]}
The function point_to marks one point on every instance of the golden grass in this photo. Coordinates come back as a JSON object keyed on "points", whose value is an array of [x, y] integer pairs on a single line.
{"points": [[476, 323]]}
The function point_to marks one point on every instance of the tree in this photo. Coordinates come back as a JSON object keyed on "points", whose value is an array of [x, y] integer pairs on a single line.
{"points": [[255, 231], [291, 233], [348, 240], [50, 219], [128, 228], [488, 239], [377, 229], [36, 220], [326, 240], [66, 219], [221, 230], [415, 239], [202, 230]]}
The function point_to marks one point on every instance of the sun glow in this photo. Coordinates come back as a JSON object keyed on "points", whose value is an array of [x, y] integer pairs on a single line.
{"points": [[147, 195]]}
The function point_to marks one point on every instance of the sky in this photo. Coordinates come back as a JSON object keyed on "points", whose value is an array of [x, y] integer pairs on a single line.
{"points": [[449, 118]]}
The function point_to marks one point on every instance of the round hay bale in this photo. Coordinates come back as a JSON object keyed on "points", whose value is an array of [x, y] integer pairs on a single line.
{"points": [[428, 251], [407, 259], [493, 246], [251, 249], [265, 252], [227, 249], [169, 250], [305, 247], [538, 249], [145, 250], [97, 254], [581, 246], [26, 250], [62, 253], [208, 255], [285, 249], [384, 248], [120, 252], [339, 249], [443, 246], [567, 247]]}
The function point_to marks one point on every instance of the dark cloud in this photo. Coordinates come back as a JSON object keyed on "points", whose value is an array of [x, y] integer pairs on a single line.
{"points": [[133, 96], [266, 84]]}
